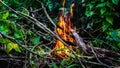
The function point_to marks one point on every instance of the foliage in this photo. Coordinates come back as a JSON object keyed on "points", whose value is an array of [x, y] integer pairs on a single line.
{"points": [[10, 45], [100, 18], [103, 13]]}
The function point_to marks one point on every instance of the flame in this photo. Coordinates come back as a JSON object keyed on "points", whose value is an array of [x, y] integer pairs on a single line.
{"points": [[64, 32], [71, 10]]}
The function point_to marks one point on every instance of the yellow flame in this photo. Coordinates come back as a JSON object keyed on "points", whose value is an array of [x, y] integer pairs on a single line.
{"points": [[71, 9], [64, 32], [63, 4]]}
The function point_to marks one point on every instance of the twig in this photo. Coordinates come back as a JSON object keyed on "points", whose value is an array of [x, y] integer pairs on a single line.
{"points": [[11, 59], [91, 46], [85, 47], [95, 63], [37, 10], [14, 40], [40, 25], [48, 15]]}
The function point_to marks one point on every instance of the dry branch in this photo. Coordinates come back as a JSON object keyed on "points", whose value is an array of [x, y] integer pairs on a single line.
{"points": [[79, 40], [87, 47]]}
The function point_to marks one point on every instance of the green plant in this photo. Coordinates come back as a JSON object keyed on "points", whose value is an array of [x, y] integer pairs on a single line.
{"points": [[104, 14]]}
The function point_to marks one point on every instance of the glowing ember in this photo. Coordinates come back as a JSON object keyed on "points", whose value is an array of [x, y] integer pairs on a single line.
{"points": [[64, 32]]}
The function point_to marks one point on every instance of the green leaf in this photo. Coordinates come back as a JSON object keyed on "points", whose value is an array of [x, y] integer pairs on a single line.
{"points": [[41, 50], [14, 15], [110, 5], [5, 15], [11, 46], [63, 61], [105, 26], [4, 29], [101, 5], [118, 34], [72, 65], [114, 36], [25, 11], [16, 47], [54, 65], [109, 19], [102, 10], [19, 34], [118, 45], [50, 5], [17, 2], [115, 2], [88, 12], [91, 6], [35, 40], [4, 41], [72, 55]]}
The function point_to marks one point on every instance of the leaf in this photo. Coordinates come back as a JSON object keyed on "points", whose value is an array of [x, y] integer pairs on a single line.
{"points": [[91, 6], [101, 5], [72, 65], [88, 12], [102, 10], [4, 29], [118, 45], [109, 19], [4, 41], [14, 15], [11, 46], [25, 11], [105, 26], [63, 61], [114, 35], [16, 47], [110, 5], [54, 65], [115, 2], [50, 5], [5, 15], [41, 50], [72, 55], [35, 40], [17, 2], [19, 34], [118, 34]]}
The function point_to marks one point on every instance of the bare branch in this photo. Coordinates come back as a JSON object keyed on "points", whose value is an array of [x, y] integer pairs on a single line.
{"points": [[79, 40]]}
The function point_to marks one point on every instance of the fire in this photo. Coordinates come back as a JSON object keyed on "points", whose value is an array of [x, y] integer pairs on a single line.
{"points": [[71, 10], [64, 32]]}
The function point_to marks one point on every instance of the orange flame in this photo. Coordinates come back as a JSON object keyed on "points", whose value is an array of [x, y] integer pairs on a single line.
{"points": [[71, 10], [64, 32]]}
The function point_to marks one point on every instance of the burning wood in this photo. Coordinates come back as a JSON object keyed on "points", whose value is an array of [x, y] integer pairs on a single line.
{"points": [[64, 32]]}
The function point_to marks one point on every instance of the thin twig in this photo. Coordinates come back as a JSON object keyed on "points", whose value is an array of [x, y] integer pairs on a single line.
{"points": [[48, 15], [40, 25], [91, 46], [23, 46]]}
